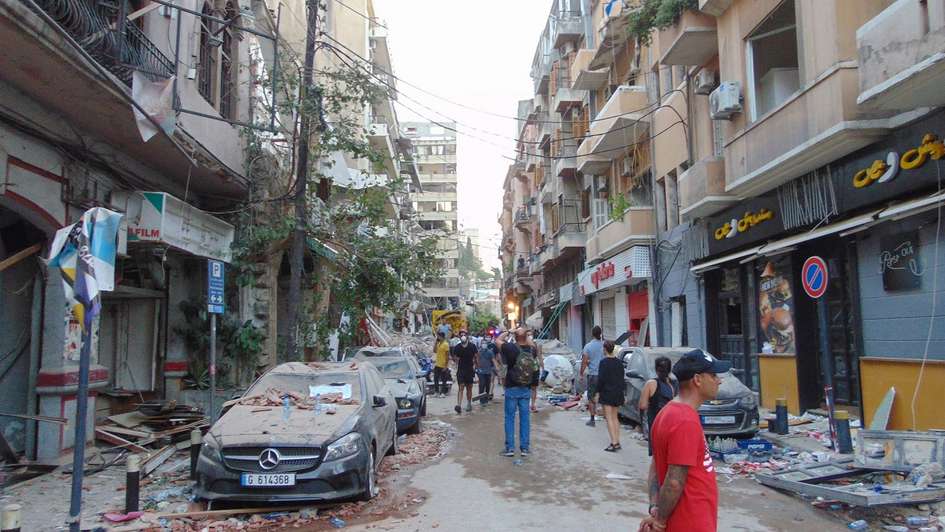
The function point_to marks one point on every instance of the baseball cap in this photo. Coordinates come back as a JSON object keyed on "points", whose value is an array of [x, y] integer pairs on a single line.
{"points": [[698, 361]]}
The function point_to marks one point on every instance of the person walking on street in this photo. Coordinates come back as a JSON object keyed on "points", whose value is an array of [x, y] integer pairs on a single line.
{"points": [[531, 346], [486, 368], [440, 364], [466, 357], [682, 487], [611, 389], [656, 394], [520, 368], [591, 356]]}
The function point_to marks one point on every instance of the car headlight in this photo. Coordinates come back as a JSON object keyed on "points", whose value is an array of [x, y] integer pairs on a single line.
{"points": [[210, 447], [404, 403], [344, 447], [749, 401]]}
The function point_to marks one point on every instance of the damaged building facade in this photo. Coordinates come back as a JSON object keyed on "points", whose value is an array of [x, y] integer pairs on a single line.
{"points": [[775, 131], [71, 138]]}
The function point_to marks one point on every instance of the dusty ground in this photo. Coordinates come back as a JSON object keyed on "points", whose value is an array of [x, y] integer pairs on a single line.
{"points": [[562, 484], [453, 478]]}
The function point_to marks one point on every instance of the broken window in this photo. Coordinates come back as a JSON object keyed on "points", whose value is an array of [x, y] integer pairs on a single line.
{"points": [[772, 61], [207, 61], [229, 55]]}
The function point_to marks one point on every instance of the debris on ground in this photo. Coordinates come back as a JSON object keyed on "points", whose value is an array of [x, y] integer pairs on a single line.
{"points": [[560, 373], [273, 397]]}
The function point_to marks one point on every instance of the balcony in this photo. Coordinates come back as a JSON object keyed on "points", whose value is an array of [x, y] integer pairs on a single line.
{"points": [[566, 97], [547, 255], [620, 123], [381, 52], [714, 7], [902, 57], [692, 41], [702, 189], [570, 236], [636, 227], [582, 76], [380, 139], [816, 125], [566, 165], [437, 216], [41, 60], [611, 33], [568, 26], [523, 217]]}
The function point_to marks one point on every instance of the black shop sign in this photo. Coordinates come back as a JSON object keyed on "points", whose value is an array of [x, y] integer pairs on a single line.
{"points": [[906, 163]]}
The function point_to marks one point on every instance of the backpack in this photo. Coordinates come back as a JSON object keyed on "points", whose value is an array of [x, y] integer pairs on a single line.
{"points": [[526, 364]]}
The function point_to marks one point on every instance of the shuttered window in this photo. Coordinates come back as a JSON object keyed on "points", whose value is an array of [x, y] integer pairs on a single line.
{"points": [[608, 318]]}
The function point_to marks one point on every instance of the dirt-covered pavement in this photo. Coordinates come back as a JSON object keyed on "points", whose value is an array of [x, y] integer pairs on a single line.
{"points": [[563, 484]]}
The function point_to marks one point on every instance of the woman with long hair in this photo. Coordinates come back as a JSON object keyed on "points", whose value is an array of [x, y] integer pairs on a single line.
{"points": [[611, 391], [657, 393]]}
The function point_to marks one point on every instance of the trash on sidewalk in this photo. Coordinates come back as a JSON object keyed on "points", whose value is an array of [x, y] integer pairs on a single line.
{"points": [[114, 517], [899, 450], [560, 373], [617, 476]]}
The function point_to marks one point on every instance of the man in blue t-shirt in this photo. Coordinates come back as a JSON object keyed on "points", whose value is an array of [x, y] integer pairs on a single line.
{"points": [[591, 356], [487, 354]]}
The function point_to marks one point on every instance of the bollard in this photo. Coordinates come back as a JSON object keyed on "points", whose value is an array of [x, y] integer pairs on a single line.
{"points": [[10, 518], [780, 416], [844, 441], [195, 439], [132, 487]]}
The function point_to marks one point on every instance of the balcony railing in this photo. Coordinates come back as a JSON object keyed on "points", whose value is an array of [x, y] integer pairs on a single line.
{"points": [[120, 48]]}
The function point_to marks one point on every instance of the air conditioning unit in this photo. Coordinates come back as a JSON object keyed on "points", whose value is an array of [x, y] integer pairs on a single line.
{"points": [[725, 101], [705, 81]]}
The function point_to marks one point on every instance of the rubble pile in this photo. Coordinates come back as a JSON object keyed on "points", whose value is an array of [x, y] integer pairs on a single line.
{"points": [[419, 448]]}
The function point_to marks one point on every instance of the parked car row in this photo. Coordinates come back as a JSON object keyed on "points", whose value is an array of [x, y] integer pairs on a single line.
{"points": [[272, 453]]}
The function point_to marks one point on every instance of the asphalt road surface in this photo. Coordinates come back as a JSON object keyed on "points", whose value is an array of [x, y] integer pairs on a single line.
{"points": [[562, 485]]}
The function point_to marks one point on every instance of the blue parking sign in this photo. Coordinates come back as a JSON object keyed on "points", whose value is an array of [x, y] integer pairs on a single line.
{"points": [[215, 274]]}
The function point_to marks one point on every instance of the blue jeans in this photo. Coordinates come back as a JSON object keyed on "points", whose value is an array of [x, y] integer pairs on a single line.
{"points": [[517, 398]]}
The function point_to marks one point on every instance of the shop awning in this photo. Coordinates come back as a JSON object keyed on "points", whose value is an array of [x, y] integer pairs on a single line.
{"points": [[893, 212]]}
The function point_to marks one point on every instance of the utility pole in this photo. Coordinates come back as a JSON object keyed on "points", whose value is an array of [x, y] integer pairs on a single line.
{"points": [[297, 257]]}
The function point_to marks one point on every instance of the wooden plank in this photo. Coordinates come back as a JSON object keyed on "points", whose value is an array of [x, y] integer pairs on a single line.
{"points": [[122, 431], [240, 511], [130, 420], [14, 259], [47, 419], [183, 428], [120, 442], [156, 459]]}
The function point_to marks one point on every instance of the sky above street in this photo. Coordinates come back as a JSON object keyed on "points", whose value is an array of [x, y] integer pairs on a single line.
{"points": [[478, 54]]}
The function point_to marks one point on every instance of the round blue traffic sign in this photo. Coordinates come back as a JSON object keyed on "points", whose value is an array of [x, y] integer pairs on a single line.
{"points": [[814, 277]]}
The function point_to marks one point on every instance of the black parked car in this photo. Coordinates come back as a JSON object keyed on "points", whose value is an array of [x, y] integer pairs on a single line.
{"points": [[408, 385], [268, 454], [733, 413]]}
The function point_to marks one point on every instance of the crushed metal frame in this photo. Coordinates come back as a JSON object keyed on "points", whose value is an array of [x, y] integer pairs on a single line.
{"points": [[806, 479]]}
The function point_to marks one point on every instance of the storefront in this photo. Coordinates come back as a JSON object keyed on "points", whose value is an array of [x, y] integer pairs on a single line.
{"points": [[614, 289], [872, 218]]}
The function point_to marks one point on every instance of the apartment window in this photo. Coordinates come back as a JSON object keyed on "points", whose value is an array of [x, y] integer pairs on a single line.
{"points": [[444, 206], [772, 60], [207, 63], [924, 17], [585, 204], [640, 192], [229, 55], [718, 143], [661, 205], [653, 86], [666, 80], [672, 200]]}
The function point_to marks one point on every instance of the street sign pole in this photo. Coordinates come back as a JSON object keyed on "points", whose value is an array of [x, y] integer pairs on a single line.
{"points": [[213, 365], [215, 305], [814, 279]]}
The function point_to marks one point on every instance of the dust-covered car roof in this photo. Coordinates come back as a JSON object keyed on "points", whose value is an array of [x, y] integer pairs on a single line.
{"points": [[294, 368]]}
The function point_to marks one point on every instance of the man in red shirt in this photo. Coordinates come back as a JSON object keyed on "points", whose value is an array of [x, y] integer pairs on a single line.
{"points": [[683, 493]]}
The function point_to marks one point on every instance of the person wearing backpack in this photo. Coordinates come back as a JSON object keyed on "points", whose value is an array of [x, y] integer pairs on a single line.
{"points": [[656, 394], [521, 366]]}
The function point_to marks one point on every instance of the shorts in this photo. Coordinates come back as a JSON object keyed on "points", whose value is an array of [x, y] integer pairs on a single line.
{"points": [[465, 377], [591, 387]]}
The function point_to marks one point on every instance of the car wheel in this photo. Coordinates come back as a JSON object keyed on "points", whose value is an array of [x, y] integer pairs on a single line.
{"points": [[423, 407], [370, 488], [416, 429], [394, 445]]}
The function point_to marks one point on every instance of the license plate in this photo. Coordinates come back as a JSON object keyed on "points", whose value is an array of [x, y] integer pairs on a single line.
{"points": [[718, 420], [267, 480]]}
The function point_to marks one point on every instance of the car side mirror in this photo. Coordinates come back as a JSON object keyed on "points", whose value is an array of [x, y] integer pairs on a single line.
{"points": [[379, 401], [634, 375], [226, 406]]}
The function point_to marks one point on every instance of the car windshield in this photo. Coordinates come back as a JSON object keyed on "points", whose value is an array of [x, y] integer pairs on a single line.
{"points": [[379, 352], [305, 384], [393, 369]]}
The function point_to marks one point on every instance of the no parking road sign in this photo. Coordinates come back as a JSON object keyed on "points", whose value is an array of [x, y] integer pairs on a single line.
{"points": [[814, 277]]}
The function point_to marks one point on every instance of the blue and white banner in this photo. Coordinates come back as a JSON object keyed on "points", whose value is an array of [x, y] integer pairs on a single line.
{"points": [[85, 254]]}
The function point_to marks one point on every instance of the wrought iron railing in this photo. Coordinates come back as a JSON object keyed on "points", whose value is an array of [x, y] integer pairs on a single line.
{"points": [[120, 48]]}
